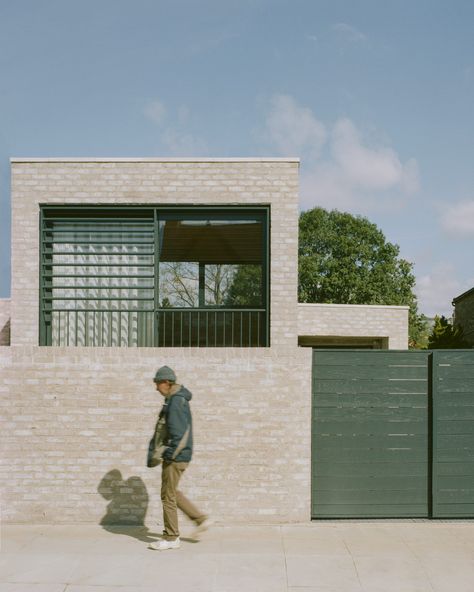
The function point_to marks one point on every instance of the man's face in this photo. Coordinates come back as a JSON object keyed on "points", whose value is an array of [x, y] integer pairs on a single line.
{"points": [[164, 386]]}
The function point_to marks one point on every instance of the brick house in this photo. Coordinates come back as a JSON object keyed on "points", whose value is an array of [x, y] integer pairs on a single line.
{"points": [[464, 314], [122, 265]]}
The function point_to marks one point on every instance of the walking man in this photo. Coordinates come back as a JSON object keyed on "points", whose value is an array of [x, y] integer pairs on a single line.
{"points": [[176, 456]]}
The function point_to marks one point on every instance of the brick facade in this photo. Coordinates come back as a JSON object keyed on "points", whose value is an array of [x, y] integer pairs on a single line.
{"points": [[74, 417], [379, 326], [157, 182], [464, 314]]}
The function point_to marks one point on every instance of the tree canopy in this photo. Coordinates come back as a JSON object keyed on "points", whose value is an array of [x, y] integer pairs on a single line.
{"points": [[346, 259], [246, 287]]}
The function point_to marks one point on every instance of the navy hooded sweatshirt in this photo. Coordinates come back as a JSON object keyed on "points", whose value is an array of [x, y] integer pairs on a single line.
{"points": [[180, 427]]}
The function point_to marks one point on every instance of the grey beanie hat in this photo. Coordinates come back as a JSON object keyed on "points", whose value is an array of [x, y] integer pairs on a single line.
{"points": [[165, 373]]}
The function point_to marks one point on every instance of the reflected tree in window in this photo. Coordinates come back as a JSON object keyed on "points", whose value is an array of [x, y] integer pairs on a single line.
{"points": [[246, 287]]}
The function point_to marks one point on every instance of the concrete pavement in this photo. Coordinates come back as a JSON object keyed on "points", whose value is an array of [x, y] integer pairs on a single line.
{"points": [[346, 556]]}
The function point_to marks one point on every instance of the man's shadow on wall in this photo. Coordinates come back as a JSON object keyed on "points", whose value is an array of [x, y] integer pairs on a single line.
{"points": [[127, 508]]}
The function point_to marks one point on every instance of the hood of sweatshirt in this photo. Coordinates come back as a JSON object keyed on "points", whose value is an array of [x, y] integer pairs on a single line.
{"points": [[183, 392]]}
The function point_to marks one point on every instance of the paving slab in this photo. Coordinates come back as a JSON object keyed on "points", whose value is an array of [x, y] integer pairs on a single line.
{"points": [[334, 573], [326, 556], [15, 587], [392, 574]]}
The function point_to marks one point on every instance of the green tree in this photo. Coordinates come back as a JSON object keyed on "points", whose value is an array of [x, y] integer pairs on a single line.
{"points": [[419, 332], [346, 259], [445, 335], [246, 287]]}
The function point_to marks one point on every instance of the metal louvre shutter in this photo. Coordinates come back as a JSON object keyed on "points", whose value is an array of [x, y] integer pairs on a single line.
{"points": [[97, 277], [370, 439]]}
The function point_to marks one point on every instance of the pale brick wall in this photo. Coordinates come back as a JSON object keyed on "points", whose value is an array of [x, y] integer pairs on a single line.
{"points": [[158, 182], [464, 314], [71, 415], [5, 321], [350, 320]]}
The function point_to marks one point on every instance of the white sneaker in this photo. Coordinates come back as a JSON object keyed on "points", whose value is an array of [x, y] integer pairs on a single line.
{"points": [[200, 528], [164, 545]]}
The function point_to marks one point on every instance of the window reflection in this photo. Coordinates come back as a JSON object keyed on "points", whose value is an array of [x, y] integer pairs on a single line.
{"points": [[210, 262]]}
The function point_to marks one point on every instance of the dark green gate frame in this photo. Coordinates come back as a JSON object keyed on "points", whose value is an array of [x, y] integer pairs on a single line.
{"points": [[393, 434], [206, 326]]}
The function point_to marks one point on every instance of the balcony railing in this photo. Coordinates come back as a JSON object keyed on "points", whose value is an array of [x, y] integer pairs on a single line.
{"points": [[204, 327], [168, 327]]}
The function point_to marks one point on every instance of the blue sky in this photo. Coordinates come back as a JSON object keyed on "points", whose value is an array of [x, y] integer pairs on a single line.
{"points": [[376, 98]]}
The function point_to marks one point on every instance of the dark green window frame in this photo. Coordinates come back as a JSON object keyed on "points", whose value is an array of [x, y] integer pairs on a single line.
{"points": [[136, 318]]}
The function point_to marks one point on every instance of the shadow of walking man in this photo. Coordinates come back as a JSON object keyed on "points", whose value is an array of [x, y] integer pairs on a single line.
{"points": [[127, 508]]}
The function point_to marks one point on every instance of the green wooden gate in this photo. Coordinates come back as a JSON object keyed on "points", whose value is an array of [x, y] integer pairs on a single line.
{"points": [[393, 433], [453, 433], [370, 434]]}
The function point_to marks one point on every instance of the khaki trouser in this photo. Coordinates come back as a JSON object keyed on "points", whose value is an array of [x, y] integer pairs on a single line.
{"points": [[173, 499]]}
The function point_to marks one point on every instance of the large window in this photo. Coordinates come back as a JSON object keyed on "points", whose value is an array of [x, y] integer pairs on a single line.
{"points": [[154, 277]]}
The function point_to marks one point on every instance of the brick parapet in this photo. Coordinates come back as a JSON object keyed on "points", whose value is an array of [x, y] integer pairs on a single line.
{"points": [[352, 320]]}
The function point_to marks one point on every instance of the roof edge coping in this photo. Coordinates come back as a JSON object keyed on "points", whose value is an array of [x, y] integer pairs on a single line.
{"points": [[154, 159], [466, 293], [334, 305]]}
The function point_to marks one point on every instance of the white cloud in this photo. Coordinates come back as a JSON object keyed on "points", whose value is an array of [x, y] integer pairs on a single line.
{"points": [[410, 181], [458, 219], [376, 168], [293, 129], [325, 186], [174, 138], [437, 289], [354, 173], [181, 143], [155, 111], [350, 33]]}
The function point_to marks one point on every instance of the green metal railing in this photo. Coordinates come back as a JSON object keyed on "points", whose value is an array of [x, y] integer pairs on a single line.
{"points": [[176, 328], [205, 327]]}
